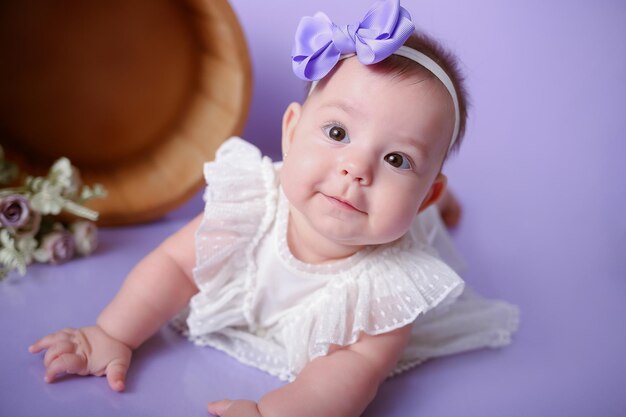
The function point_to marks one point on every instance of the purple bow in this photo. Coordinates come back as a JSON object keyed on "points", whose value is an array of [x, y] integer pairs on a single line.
{"points": [[320, 43]]}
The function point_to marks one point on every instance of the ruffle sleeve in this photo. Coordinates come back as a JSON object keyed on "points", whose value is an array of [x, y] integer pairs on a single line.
{"points": [[394, 285], [240, 203]]}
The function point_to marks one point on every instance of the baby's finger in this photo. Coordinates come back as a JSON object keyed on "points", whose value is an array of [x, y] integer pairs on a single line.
{"points": [[68, 363], [116, 374], [57, 350], [47, 341]]}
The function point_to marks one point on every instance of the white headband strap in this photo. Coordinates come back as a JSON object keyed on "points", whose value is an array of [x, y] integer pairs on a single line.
{"points": [[438, 72]]}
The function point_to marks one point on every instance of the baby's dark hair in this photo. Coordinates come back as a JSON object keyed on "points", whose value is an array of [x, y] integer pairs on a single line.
{"points": [[445, 59]]}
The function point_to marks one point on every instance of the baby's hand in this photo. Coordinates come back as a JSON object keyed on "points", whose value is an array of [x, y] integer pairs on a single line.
{"points": [[84, 351]]}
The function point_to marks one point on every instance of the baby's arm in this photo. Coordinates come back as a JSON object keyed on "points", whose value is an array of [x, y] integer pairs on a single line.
{"points": [[340, 384], [154, 291]]}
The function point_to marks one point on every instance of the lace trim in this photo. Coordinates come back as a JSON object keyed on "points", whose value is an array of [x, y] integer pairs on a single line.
{"points": [[241, 200], [269, 181], [381, 298]]}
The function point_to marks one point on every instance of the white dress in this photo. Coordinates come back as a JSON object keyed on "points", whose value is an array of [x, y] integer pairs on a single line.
{"points": [[267, 309]]}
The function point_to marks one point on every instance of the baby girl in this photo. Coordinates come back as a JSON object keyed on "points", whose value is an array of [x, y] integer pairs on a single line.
{"points": [[326, 269]]}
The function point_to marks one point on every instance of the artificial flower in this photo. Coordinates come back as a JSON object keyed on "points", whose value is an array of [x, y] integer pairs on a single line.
{"points": [[85, 237], [59, 246], [66, 177], [19, 255], [31, 229], [47, 198], [14, 211]]}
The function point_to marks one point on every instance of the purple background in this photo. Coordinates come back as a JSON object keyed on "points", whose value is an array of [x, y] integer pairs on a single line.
{"points": [[542, 182]]}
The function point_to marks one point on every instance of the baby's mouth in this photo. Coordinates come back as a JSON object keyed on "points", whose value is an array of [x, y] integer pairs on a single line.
{"points": [[344, 204]]}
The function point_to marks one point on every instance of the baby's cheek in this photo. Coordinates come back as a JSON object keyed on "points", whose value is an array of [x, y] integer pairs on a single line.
{"points": [[393, 229], [302, 168], [392, 223], [291, 182]]}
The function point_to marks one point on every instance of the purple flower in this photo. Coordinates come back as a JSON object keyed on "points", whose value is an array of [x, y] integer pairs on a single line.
{"points": [[14, 211], [85, 237], [59, 245]]}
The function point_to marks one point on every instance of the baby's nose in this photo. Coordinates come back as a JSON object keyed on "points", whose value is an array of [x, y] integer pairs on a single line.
{"points": [[357, 169]]}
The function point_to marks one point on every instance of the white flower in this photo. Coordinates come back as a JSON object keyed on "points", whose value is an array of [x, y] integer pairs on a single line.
{"points": [[66, 177], [19, 257], [47, 199]]}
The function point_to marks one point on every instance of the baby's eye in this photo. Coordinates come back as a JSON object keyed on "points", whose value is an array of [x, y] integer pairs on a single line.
{"points": [[398, 160], [336, 133]]}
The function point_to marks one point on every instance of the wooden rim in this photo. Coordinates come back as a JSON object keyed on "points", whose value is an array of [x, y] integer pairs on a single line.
{"points": [[162, 176]]}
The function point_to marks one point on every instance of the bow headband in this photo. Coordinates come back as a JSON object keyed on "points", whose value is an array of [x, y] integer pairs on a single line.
{"points": [[320, 44]]}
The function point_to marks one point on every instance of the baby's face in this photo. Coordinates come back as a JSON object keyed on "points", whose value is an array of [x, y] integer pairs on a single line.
{"points": [[363, 153]]}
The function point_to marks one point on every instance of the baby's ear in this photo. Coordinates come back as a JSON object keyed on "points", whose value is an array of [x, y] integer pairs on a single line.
{"points": [[436, 191], [290, 121]]}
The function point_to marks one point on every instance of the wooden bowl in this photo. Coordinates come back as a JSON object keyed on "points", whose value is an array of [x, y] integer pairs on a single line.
{"points": [[137, 94]]}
